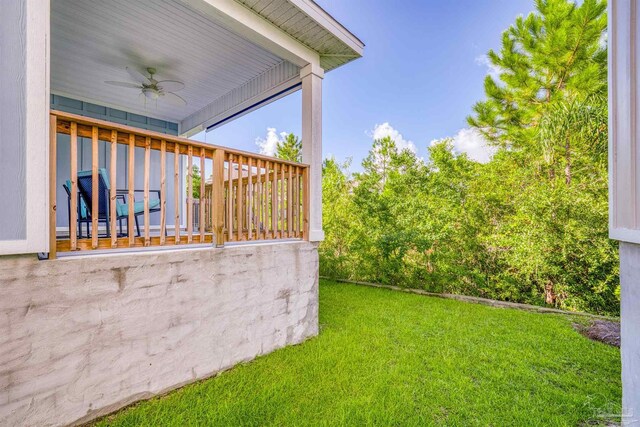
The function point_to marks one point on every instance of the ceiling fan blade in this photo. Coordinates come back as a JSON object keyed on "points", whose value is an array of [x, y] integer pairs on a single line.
{"points": [[170, 85], [125, 84], [173, 99], [138, 76]]}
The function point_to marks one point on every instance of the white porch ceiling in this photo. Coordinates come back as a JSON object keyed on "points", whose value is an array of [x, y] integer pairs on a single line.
{"points": [[94, 40]]}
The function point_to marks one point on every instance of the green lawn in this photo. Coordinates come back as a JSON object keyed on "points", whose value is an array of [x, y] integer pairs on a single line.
{"points": [[391, 358]]}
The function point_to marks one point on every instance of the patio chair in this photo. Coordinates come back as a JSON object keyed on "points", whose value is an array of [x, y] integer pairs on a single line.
{"points": [[85, 187], [82, 214]]}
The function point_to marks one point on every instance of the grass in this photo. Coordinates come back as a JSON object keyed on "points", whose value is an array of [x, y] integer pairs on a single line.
{"points": [[391, 358]]}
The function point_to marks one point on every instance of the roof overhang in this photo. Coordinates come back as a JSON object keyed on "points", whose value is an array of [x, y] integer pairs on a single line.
{"points": [[312, 26]]}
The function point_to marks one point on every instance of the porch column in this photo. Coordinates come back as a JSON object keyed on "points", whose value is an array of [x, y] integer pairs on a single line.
{"points": [[312, 144]]}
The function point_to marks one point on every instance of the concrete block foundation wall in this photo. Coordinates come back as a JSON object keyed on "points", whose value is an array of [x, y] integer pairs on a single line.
{"points": [[81, 337]]}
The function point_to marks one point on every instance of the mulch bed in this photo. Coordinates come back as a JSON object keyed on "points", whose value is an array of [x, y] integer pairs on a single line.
{"points": [[604, 331]]}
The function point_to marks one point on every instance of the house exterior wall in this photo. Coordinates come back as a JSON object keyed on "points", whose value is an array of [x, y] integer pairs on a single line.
{"points": [[13, 224], [24, 126], [83, 336]]}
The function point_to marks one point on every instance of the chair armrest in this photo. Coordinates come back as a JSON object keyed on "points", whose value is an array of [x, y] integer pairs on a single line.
{"points": [[126, 192]]}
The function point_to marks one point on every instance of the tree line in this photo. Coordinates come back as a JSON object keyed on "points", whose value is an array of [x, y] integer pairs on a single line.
{"points": [[530, 225]]}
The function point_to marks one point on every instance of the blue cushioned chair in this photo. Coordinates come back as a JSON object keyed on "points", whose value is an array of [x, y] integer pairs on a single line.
{"points": [[82, 215], [85, 187]]}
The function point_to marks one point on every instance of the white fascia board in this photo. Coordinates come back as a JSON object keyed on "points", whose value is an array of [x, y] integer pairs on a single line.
{"points": [[329, 23], [256, 29]]}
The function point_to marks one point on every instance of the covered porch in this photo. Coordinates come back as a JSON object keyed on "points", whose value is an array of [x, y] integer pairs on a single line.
{"points": [[123, 172]]}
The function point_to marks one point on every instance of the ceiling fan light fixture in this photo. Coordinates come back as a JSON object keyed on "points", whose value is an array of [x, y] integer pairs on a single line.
{"points": [[150, 93]]}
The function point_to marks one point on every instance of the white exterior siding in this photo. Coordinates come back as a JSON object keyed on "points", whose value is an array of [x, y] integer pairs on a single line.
{"points": [[24, 126], [13, 191]]}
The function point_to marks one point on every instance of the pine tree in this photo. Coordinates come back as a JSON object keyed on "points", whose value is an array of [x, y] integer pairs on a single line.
{"points": [[554, 54], [289, 149], [379, 159]]}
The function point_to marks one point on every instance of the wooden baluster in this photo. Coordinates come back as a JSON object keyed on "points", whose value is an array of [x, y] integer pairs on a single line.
{"points": [[131, 182], [163, 191], [294, 201], [230, 198], [212, 223], [305, 203], [297, 195], [265, 201], [176, 193], [73, 236], [190, 194], [265, 208], [147, 167], [239, 204], [259, 227], [202, 198], [274, 201], [250, 199], [53, 157], [289, 202], [95, 189], [217, 190], [113, 199], [282, 202]]}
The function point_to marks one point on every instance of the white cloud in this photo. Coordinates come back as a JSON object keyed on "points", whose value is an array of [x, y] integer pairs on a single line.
{"points": [[471, 142], [385, 129], [493, 70], [268, 145]]}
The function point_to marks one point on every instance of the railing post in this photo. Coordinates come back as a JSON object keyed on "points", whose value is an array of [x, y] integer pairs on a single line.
{"points": [[163, 191], [131, 182], [113, 198], [53, 133], [305, 203], [147, 167], [73, 160], [189, 194], [94, 187], [201, 203], [217, 189]]}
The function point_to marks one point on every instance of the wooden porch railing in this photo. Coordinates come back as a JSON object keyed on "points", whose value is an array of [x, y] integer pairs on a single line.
{"points": [[243, 196]]}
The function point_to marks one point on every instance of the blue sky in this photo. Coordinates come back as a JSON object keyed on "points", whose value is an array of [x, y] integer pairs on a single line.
{"points": [[422, 72]]}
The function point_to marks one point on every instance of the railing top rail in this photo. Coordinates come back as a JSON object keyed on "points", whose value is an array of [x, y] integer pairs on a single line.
{"points": [[89, 121]]}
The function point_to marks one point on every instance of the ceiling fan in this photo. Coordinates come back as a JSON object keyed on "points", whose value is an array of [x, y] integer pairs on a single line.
{"points": [[153, 89]]}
